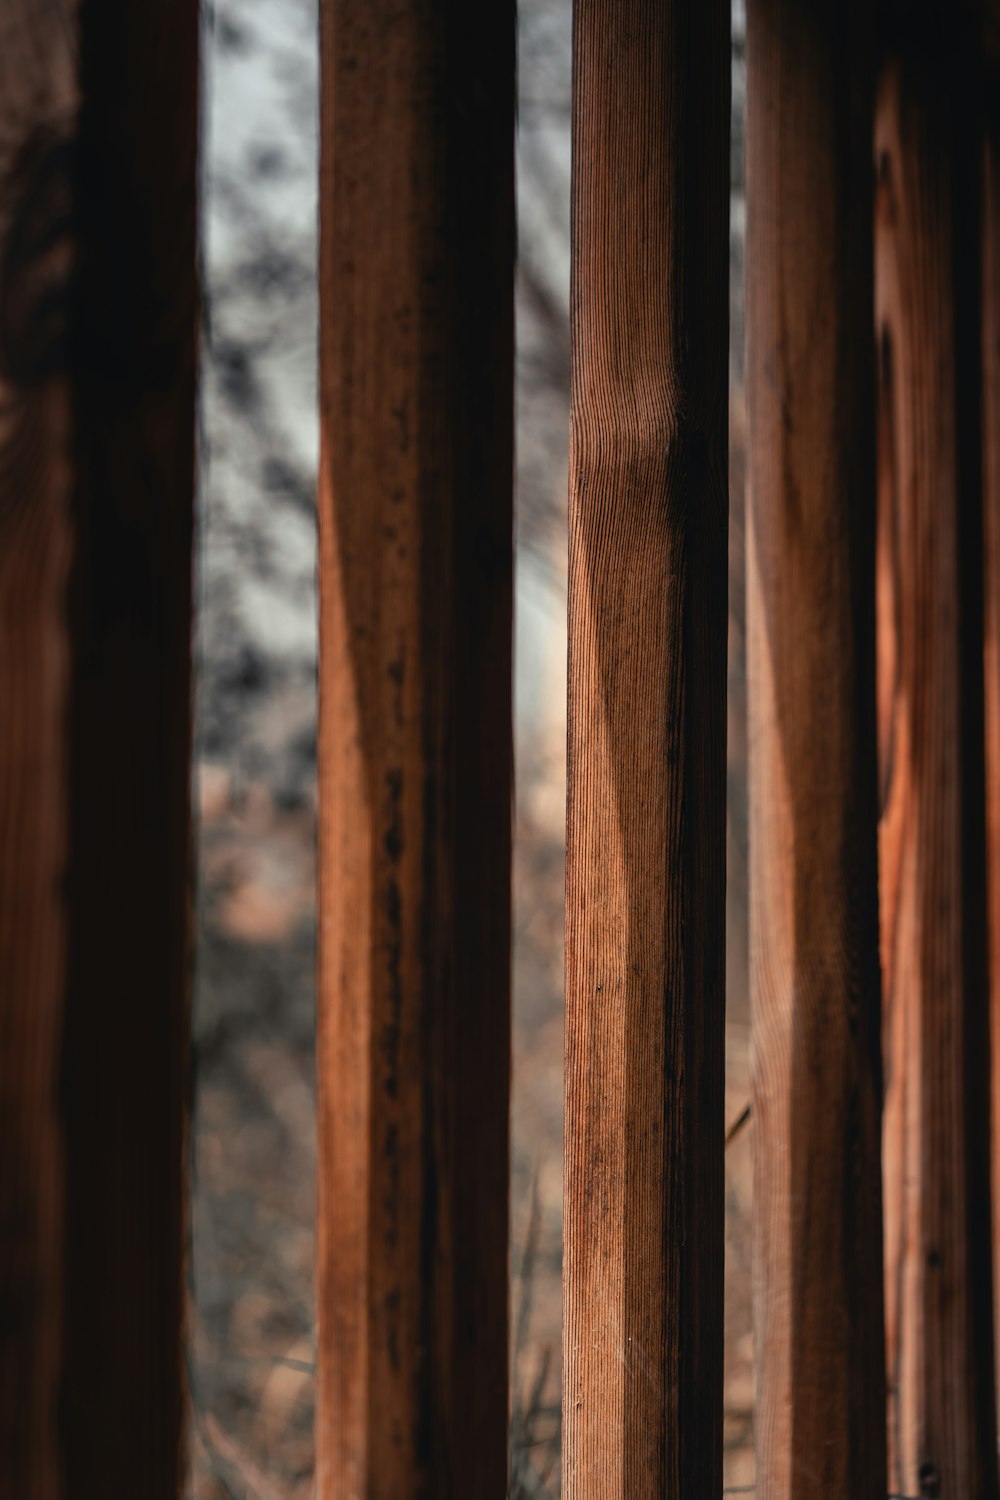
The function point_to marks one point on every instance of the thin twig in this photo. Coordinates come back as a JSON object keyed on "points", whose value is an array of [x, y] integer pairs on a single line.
{"points": [[732, 1133]]}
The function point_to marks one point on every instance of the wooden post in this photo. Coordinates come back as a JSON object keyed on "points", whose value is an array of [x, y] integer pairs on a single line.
{"points": [[942, 1432], [818, 1310], [98, 316], [415, 513], [642, 1379]]}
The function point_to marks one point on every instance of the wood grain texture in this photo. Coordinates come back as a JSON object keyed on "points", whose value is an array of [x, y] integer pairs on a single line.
{"points": [[37, 98], [415, 514], [98, 314], [815, 990], [991, 619], [645, 880], [942, 1433]]}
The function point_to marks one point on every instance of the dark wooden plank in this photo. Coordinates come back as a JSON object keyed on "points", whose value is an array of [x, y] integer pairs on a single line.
{"points": [[815, 994], [98, 312], [942, 1432], [645, 934], [128, 876], [991, 619], [37, 97], [979, 20], [415, 747]]}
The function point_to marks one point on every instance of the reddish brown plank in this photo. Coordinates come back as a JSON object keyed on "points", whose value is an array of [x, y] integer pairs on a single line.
{"points": [[645, 934], [815, 994], [942, 1433], [415, 747], [98, 313]]}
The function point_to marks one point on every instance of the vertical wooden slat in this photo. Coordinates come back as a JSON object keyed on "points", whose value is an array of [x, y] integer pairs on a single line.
{"points": [[98, 312], [942, 1433], [415, 747], [38, 91], [642, 1384], [818, 1333], [128, 875], [991, 631], [991, 613]]}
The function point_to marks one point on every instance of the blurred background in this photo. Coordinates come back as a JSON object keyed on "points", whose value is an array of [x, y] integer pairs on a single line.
{"points": [[252, 1348]]}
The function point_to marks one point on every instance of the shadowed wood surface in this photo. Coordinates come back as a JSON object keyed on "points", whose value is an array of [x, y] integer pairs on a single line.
{"points": [[37, 99], [991, 617], [98, 309], [643, 1217], [812, 792], [415, 512], [942, 1435]]}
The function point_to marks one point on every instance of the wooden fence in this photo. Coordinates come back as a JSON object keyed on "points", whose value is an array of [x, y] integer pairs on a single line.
{"points": [[873, 620]]}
